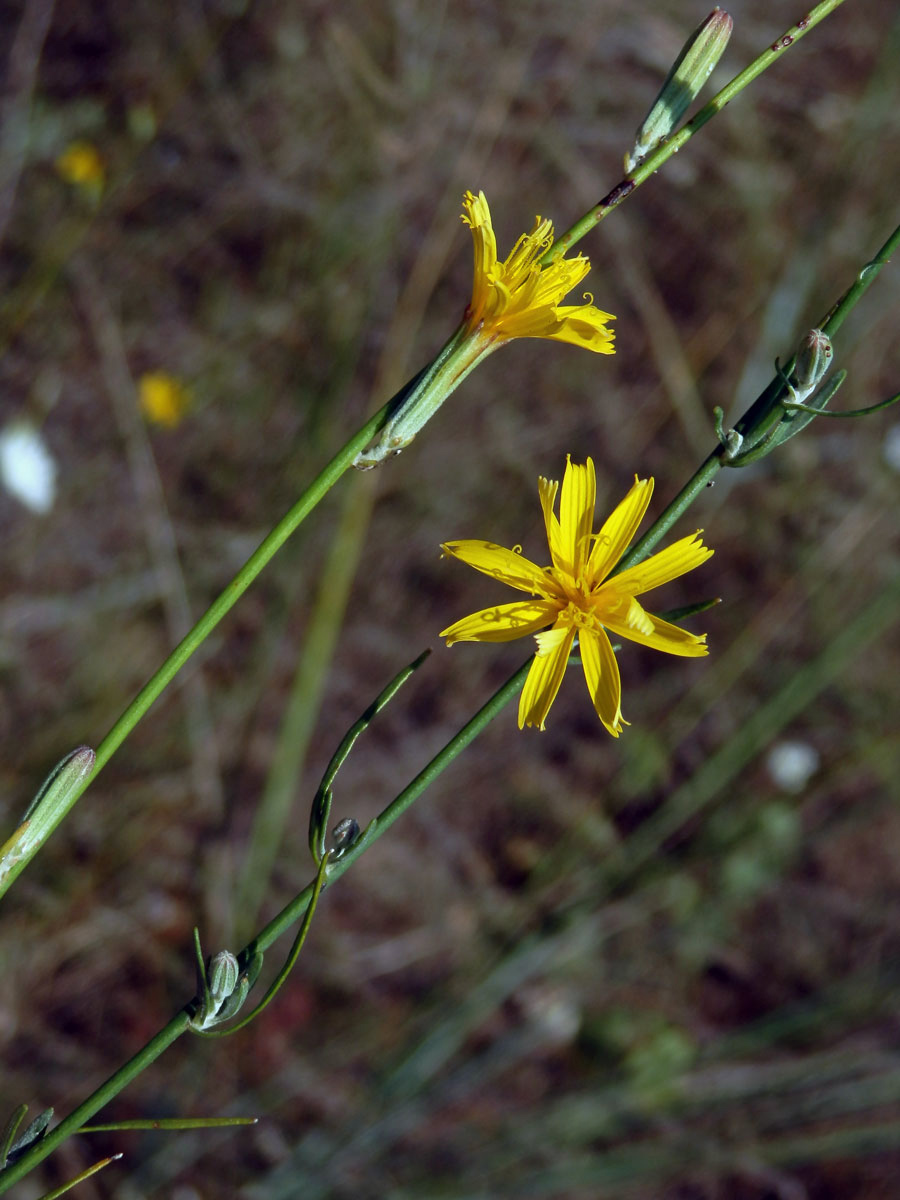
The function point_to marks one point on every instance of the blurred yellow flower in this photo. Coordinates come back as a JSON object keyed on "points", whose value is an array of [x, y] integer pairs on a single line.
{"points": [[519, 298], [575, 596], [80, 164], [163, 399]]}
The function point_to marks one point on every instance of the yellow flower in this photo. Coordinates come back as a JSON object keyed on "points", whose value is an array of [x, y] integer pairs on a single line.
{"points": [[164, 400], [516, 298], [80, 164], [519, 298], [575, 596]]}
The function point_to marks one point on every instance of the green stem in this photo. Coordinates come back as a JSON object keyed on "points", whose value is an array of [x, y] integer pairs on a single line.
{"points": [[868, 411], [663, 153], [699, 481], [223, 604], [79, 1178]]}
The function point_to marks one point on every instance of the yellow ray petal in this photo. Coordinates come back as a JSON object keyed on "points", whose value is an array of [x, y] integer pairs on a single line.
{"points": [[579, 325], [679, 558], [477, 216], [601, 672], [584, 326], [502, 622], [659, 634], [547, 489], [617, 531], [504, 565], [545, 676], [576, 516]]}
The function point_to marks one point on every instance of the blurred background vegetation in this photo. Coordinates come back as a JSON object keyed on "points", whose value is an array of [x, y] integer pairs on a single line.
{"points": [[663, 966]]}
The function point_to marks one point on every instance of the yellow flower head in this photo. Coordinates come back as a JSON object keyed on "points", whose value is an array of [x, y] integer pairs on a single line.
{"points": [[80, 164], [575, 597], [520, 298], [163, 400], [517, 298]]}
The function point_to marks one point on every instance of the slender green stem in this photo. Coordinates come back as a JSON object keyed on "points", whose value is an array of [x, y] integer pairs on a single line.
{"points": [[320, 809], [699, 481], [664, 152], [865, 277], [223, 604]]}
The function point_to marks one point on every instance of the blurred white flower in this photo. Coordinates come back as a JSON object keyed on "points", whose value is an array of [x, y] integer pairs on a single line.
{"points": [[792, 765], [27, 468], [891, 448]]}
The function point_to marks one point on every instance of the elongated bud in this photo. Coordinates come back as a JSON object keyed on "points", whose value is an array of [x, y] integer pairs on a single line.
{"points": [[813, 359], [65, 776], [691, 69], [223, 988], [53, 800], [223, 976]]}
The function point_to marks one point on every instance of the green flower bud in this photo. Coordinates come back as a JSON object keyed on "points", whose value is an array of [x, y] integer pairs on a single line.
{"points": [[813, 359], [44, 813], [691, 69], [223, 989], [344, 835], [223, 976]]}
